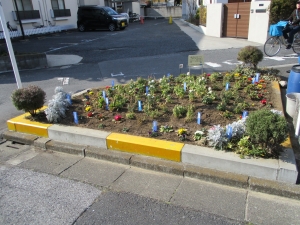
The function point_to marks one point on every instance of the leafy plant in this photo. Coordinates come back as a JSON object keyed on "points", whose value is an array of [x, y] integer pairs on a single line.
{"points": [[179, 111], [198, 135], [130, 116], [266, 129], [166, 129], [190, 113], [250, 55], [29, 99]]}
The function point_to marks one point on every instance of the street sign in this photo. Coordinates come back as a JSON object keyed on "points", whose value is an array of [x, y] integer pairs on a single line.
{"points": [[195, 60]]}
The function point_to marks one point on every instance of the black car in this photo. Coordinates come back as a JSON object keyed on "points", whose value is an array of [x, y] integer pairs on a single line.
{"points": [[99, 17]]}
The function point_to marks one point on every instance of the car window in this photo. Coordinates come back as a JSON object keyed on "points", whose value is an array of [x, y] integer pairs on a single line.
{"points": [[110, 11]]}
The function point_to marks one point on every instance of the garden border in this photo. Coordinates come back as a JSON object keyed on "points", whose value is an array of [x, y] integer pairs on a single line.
{"points": [[284, 169]]}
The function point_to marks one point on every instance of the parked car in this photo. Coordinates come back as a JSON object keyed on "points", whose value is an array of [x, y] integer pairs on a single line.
{"points": [[100, 17]]}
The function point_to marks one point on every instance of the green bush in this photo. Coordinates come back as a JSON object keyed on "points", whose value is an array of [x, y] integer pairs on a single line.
{"points": [[281, 10], [250, 55], [266, 129], [29, 99], [201, 15]]}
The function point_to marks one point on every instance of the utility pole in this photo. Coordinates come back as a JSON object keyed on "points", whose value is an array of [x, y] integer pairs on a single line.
{"points": [[19, 19], [9, 47]]}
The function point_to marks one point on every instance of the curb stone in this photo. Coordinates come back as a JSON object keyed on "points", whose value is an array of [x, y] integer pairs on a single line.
{"points": [[160, 165]]}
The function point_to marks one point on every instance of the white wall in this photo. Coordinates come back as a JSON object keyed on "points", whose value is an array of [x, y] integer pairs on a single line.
{"points": [[8, 8], [214, 20], [259, 22]]}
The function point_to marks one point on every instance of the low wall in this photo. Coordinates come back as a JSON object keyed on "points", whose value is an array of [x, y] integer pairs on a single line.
{"points": [[163, 11], [30, 61]]}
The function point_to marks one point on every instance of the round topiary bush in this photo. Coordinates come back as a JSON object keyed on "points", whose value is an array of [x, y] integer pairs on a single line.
{"points": [[266, 129], [29, 99], [250, 55]]}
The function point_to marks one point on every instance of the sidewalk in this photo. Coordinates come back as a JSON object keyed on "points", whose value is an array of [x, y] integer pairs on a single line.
{"points": [[126, 173]]}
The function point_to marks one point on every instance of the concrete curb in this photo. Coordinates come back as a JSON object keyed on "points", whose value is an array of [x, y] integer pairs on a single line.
{"points": [[160, 165]]}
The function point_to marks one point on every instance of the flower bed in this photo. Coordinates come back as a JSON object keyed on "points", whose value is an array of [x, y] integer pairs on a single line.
{"points": [[202, 110]]}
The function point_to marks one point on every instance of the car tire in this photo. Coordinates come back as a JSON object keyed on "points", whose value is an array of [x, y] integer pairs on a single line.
{"points": [[81, 27], [112, 27]]}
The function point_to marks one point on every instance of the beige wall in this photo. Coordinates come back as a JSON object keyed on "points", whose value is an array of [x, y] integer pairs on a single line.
{"points": [[259, 22], [214, 20]]}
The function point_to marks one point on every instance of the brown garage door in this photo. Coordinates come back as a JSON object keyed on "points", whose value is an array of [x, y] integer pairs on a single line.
{"points": [[236, 19]]}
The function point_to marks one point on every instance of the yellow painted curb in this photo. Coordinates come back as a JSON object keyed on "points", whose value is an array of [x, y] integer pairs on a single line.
{"points": [[145, 146], [23, 125]]}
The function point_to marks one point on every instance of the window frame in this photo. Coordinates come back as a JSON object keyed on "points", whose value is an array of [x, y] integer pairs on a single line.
{"points": [[57, 1], [22, 4]]}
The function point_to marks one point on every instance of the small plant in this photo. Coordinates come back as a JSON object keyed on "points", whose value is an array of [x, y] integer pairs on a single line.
{"points": [[166, 129], [221, 106], [29, 99], [125, 129], [198, 135], [101, 102], [190, 113], [153, 134], [227, 114], [179, 111], [250, 55], [130, 116], [207, 99], [101, 126]]}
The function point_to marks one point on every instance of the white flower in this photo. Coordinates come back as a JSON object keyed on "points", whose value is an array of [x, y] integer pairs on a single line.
{"points": [[209, 89], [188, 73], [199, 132]]}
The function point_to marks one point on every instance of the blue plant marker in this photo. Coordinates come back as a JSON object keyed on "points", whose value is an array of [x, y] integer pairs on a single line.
{"points": [[154, 126], [147, 90], [298, 58], [184, 86], [257, 77], [253, 80], [199, 118], [75, 117], [245, 114], [140, 105], [112, 84], [107, 103], [69, 99], [229, 132], [103, 94], [168, 75], [227, 86]]}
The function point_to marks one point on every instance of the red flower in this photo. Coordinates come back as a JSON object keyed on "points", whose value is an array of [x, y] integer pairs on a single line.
{"points": [[107, 87], [208, 74], [264, 101], [87, 103], [118, 117], [90, 114]]}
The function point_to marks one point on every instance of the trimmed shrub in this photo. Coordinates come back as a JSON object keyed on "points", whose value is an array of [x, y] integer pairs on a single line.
{"points": [[29, 99], [266, 129], [250, 55]]}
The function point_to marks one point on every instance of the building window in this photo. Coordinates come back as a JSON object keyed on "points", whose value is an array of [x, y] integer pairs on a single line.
{"points": [[58, 4], [24, 5]]}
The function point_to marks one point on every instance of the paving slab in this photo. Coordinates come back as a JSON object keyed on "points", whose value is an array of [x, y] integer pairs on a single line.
{"points": [[22, 157], [51, 162], [8, 150], [148, 183], [96, 172], [214, 198], [266, 209], [33, 198]]}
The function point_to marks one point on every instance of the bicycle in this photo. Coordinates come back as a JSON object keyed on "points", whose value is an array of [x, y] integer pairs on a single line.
{"points": [[273, 45]]}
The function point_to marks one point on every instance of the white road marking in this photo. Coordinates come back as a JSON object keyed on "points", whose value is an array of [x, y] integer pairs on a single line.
{"points": [[213, 64], [232, 63], [116, 75]]}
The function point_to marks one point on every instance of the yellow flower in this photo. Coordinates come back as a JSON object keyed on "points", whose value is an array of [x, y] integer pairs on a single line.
{"points": [[259, 86], [91, 93], [237, 74], [88, 108], [181, 131]]}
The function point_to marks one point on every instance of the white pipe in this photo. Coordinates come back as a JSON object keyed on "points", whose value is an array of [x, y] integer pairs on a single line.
{"points": [[9, 47], [298, 123]]}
